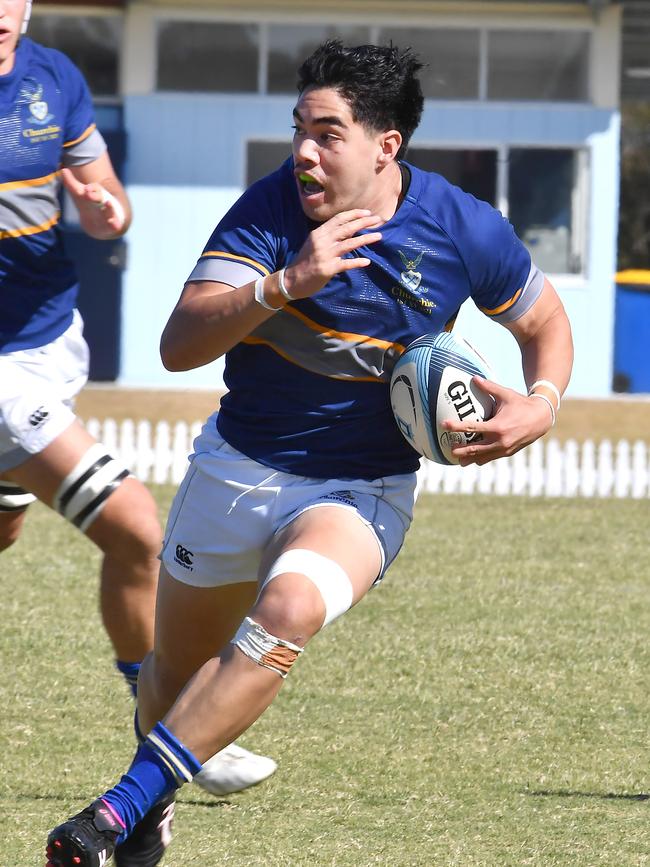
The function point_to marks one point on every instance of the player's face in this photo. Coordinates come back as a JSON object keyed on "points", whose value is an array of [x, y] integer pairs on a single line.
{"points": [[336, 159], [12, 13]]}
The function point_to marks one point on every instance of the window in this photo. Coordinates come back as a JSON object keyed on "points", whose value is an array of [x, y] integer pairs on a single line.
{"points": [[475, 171], [546, 201], [538, 65], [460, 63], [207, 56], [546, 206], [290, 45], [92, 42], [450, 57], [264, 157]]}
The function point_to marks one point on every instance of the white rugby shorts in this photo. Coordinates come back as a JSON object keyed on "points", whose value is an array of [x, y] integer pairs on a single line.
{"points": [[37, 390], [228, 508]]}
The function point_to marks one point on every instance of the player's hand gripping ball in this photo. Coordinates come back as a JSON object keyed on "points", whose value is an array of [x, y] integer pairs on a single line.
{"points": [[432, 382]]}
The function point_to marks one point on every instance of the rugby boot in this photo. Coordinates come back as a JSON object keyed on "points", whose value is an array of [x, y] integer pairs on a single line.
{"points": [[146, 844], [85, 840], [233, 769]]}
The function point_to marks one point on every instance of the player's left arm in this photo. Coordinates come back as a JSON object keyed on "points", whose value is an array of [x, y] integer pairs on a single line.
{"points": [[544, 337], [104, 209]]}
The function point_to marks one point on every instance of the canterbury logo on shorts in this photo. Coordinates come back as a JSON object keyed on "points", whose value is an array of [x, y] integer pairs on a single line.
{"points": [[38, 416], [183, 557]]}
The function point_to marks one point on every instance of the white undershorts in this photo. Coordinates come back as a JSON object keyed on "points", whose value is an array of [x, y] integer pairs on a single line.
{"points": [[228, 508], [37, 390]]}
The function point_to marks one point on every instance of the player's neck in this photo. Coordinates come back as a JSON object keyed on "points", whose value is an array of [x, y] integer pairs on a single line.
{"points": [[395, 186]]}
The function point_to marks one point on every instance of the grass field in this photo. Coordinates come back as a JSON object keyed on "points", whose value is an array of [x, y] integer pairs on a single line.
{"points": [[486, 706]]}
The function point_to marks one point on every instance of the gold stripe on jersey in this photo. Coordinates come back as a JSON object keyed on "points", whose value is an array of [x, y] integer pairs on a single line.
{"points": [[29, 230], [29, 182], [84, 135], [220, 254], [325, 351], [258, 341], [346, 336], [502, 307]]}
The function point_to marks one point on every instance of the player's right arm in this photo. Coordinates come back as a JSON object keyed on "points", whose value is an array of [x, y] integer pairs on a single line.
{"points": [[210, 317]]}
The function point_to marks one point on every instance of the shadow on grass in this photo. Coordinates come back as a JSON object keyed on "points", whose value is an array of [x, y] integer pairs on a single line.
{"points": [[211, 804], [568, 793], [67, 798]]}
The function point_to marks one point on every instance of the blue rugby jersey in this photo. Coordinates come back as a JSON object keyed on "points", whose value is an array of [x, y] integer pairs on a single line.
{"points": [[46, 121], [308, 390]]}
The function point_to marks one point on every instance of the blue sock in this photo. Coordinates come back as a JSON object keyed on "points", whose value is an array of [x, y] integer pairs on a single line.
{"points": [[130, 671], [161, 765]]}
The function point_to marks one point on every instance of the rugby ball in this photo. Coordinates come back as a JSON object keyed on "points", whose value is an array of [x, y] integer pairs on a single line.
{"points": [[432, 382]]}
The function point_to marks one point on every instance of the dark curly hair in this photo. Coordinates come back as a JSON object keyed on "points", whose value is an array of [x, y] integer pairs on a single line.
{"points": [[379, 82]]}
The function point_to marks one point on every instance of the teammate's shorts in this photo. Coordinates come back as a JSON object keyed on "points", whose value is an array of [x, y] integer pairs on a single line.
{"points": [[229, 507], [37, 391]]}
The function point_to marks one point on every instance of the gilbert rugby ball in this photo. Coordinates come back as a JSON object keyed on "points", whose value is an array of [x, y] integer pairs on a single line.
{"points": [[432, 382]]}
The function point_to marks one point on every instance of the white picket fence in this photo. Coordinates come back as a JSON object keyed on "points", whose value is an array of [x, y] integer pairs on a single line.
{"points": [[158, 453]]}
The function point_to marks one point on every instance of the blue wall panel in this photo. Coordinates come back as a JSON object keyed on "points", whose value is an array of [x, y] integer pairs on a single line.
{"points": [[170, 228]]}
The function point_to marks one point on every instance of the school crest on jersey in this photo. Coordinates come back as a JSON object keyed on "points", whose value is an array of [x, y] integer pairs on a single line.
{"points": [[38, 108], [39, 111], [37, 121], [409, 276], [31, 93]]}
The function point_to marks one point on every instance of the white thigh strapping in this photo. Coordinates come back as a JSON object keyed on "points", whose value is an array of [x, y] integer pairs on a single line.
{"points": [[329, 577], [13, 498], [84, 491]]}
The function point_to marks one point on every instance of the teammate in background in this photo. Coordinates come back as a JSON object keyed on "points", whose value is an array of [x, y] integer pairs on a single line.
{"points": [[45, 452], [301, 489]]}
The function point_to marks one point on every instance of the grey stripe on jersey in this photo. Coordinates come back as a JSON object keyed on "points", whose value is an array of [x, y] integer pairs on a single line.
{"points": [[308, 344], [530, 292], [85, 151], [29, 208], [327, 352], [232, 273]]}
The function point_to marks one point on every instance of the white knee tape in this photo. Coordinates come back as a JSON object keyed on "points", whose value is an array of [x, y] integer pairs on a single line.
{"points": [[84, 491], [265, 649], [331, 579]]}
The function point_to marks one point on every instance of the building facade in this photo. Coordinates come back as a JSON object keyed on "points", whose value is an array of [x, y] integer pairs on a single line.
{"points": [[522, 109]]}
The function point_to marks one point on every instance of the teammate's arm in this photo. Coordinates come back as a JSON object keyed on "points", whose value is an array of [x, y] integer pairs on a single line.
{"points": [[210, 317], [544, 337], [104, 209]]}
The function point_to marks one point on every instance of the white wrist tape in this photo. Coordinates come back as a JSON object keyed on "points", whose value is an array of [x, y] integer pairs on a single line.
{"points": [[109, 198], [548, 401], [259, 295], [551, 387], [283, 288]]}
